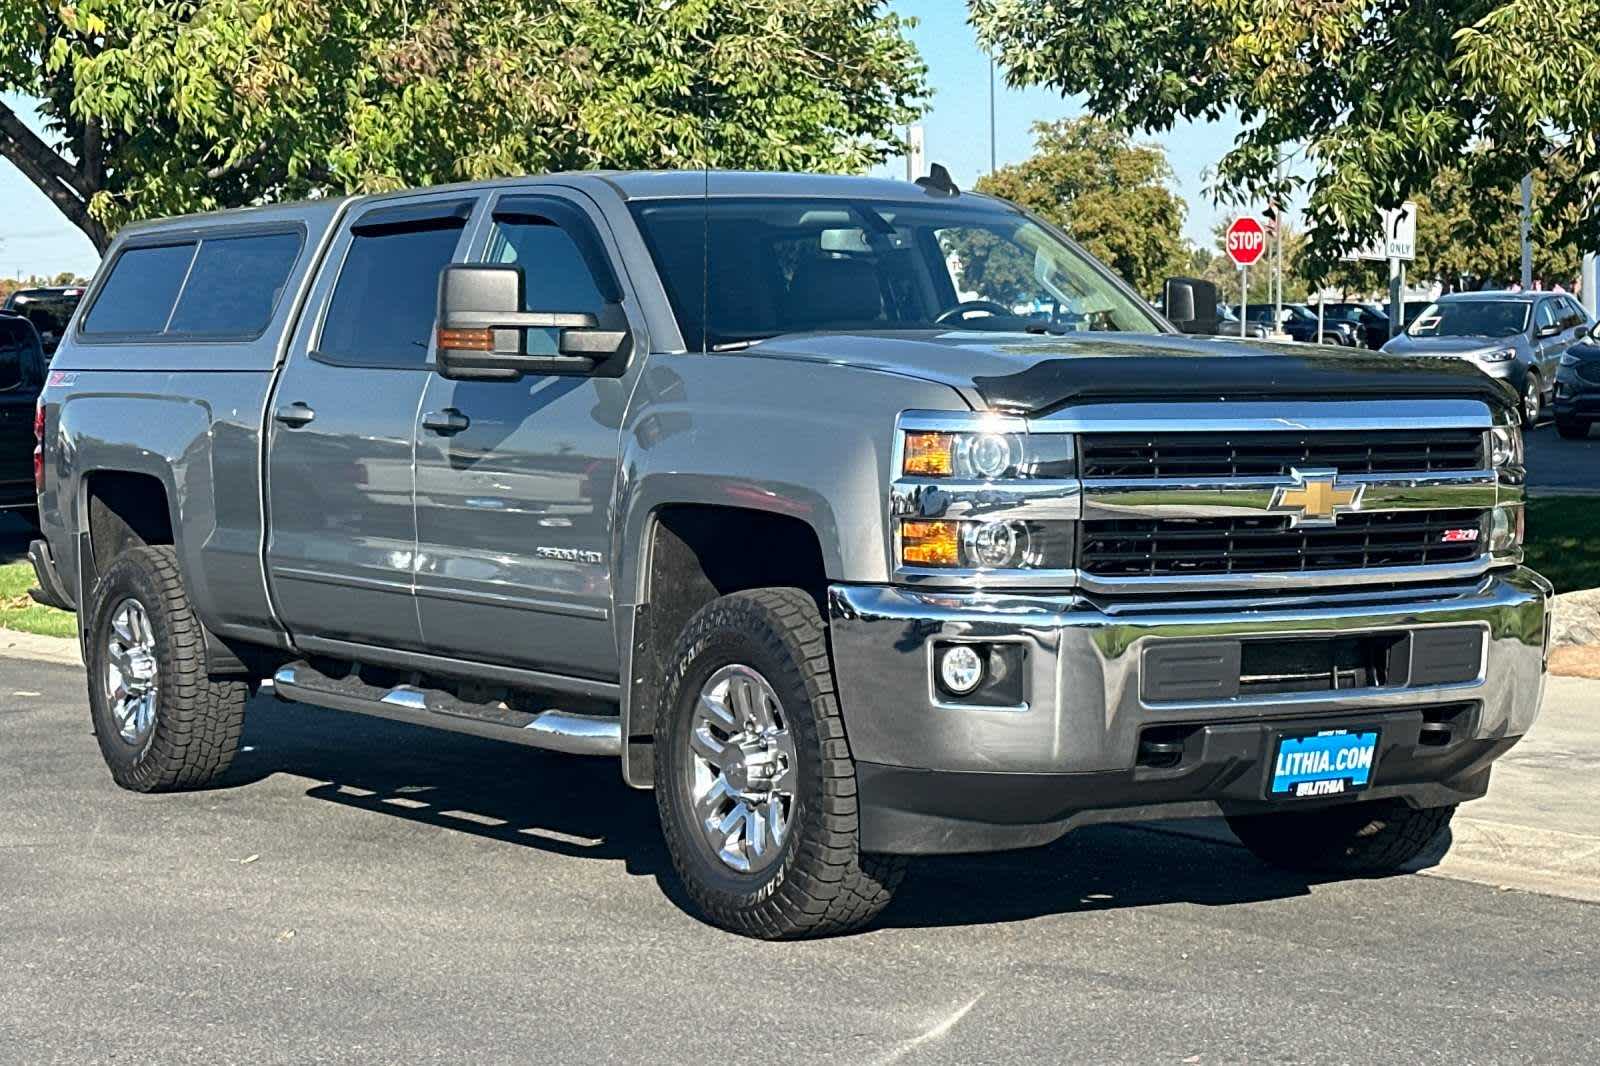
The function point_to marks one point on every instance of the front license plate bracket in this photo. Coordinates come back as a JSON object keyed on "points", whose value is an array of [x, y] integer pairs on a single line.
{"points": [[1312, 764]]}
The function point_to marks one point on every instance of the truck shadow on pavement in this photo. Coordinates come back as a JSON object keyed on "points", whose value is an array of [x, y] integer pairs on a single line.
{"points": [[576, 807]]}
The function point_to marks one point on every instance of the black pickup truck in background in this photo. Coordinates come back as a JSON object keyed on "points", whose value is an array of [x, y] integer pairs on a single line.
{"points": [[21, 381], [49, 309]]}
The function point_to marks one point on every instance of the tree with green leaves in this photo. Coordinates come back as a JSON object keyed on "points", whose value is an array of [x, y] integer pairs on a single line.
{"points": [[1382, 98], [157, 107], [1109, 193]]}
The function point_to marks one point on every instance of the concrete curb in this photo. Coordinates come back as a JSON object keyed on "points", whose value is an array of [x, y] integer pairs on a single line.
{"points": [[1498, 854], [1577, 618], [17, 645], [1503, 855]]}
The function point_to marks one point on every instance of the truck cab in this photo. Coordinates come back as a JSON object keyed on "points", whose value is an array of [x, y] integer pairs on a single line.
{"points": [[857, 519]]}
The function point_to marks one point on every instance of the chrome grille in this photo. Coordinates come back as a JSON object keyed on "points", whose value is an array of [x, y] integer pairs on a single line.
{"points": [[1168, 547], [1274, 454]]}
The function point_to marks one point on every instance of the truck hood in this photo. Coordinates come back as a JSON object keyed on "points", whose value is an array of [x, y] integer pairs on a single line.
{"points": [[1029, 374]]}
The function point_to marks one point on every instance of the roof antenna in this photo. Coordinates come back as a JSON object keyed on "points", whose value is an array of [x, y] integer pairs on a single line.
{"points": [[938, 180]]}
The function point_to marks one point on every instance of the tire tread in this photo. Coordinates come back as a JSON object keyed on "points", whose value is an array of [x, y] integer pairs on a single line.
{"points": [[832, 888]]}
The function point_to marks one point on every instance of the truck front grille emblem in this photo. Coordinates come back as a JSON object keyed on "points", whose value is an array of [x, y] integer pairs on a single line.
{"points": [[1315, 499]]}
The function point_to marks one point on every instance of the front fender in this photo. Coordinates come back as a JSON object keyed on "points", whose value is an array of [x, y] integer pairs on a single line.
{"points": [[808, 440]]}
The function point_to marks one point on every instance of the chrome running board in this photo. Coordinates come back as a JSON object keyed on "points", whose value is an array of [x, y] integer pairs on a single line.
{"points": [[552, 729]]}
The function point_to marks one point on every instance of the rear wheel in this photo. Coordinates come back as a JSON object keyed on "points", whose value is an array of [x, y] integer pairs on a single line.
{"points": [[1573, 428], [163, 724], [1358, 839], [755, 785]]}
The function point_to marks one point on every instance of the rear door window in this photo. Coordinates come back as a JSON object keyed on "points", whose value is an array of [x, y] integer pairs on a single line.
{"points": [[141, 290], [382, 310]]}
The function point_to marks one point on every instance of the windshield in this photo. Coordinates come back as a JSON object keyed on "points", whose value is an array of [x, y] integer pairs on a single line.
{"points": [[1471, 318], [830, 265]]}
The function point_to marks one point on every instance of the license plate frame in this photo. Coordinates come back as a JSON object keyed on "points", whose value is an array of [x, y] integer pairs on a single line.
{"points": [[1307, 763]]}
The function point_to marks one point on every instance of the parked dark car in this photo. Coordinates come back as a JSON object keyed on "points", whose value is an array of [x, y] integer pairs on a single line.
{"points": [[49, 309], [1577, 398], [1300, 323], [1518, 337], [1371, 322], [21, 381]]}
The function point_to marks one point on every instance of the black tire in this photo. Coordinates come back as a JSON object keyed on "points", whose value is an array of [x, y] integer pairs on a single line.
{"points": [[820, 884], [1573, 428], [1532, 400], [1360, 839], [198, 719]]}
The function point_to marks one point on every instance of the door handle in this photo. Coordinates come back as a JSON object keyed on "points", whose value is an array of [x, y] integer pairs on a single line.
{"points": [[295, 414], [446, 423]]}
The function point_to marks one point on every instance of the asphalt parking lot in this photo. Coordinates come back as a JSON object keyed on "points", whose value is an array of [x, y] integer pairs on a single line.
{"points": [[1557, 465], [364, 891]]}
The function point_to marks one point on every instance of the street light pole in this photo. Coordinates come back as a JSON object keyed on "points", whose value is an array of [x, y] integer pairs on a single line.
{"points": [[991, 116], [1527, 232]]}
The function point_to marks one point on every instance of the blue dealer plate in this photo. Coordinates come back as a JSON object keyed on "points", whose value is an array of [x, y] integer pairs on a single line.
{"points": [[1334, 762]]}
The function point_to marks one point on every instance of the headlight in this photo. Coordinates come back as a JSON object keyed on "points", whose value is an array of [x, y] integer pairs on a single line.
{"points": [[978, 495], [1505, 447], [985, 456], [1499, 355], [1506, 530]]}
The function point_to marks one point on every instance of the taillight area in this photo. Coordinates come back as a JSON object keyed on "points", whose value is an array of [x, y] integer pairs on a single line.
{"points": [[38, 446]]}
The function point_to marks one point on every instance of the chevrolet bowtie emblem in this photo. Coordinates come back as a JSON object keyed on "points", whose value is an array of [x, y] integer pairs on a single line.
{"points": [[1316, 498]]}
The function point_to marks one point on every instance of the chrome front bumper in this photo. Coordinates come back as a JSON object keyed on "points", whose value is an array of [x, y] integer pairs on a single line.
{"points": [[1083, 698], [1084, 706]]}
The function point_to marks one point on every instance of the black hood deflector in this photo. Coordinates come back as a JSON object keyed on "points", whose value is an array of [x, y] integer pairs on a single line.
{"points": [[1051, 384]]}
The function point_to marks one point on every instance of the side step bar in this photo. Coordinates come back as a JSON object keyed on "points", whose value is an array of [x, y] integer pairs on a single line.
{"points": [[555, 730]]}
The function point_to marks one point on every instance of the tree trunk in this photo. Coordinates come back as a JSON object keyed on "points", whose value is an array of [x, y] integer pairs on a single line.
{"points": [[52, 175]]}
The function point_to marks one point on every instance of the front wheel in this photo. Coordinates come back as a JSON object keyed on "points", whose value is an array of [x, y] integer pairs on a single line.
{"points": [[1360, 839], [754, 780], [163, 724], [1532, 400]]}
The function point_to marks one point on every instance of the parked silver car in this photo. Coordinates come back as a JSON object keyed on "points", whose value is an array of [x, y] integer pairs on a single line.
{"points": [[1518, 337]]}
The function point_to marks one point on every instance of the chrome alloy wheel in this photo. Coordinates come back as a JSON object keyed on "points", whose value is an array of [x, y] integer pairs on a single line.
{"points": [[131, 672], [1532, 401], [743, 768]]}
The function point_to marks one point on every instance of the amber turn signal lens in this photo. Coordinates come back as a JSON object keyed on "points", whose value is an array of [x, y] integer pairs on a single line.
{"points": [[928, 454], [929, 543], [467, 340]]}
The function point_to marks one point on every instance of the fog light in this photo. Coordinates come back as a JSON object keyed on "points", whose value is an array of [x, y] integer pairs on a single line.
{"points": [[960, 669]]}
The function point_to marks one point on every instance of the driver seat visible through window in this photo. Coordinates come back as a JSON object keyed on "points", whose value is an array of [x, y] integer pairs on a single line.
{"points": [[833, 288]]}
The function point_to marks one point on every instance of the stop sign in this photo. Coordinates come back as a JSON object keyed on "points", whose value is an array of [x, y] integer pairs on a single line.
{"points": [[1246, 240]]}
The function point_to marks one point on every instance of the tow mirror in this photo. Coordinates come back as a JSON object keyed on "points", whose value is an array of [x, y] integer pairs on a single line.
{"points": [[1191, 304], [485, 335]]}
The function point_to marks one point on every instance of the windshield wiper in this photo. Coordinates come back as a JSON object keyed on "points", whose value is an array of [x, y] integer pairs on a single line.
{"points": [[740, 343]]}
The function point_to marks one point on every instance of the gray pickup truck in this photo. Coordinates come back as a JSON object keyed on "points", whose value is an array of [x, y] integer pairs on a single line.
{"points": [[860, 519]]}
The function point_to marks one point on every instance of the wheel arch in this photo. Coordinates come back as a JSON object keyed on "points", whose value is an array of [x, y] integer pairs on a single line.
{"points": [[689, 554]]}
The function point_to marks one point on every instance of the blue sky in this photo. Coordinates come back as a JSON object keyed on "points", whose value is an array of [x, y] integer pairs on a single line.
{"points": [[36, 239], [956, 129]]}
